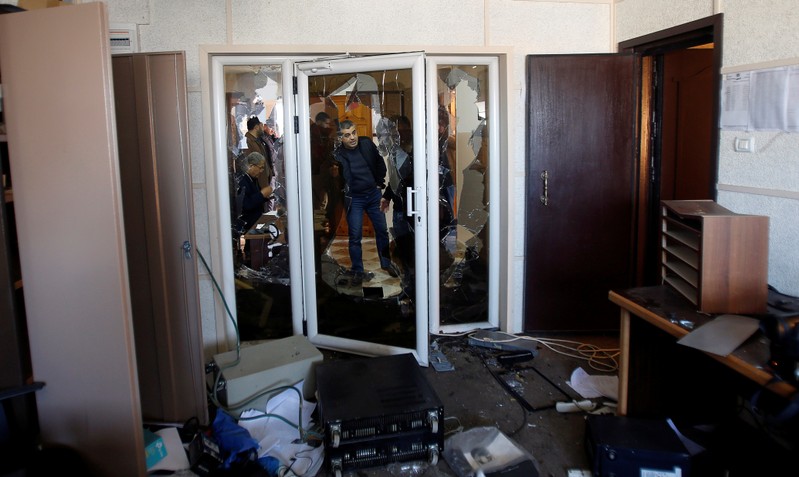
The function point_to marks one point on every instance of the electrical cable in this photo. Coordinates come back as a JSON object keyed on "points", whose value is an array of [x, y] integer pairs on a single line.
{"points": [[213, 395], [227, 308], [598, 358], [453, 335], [457, 429]]}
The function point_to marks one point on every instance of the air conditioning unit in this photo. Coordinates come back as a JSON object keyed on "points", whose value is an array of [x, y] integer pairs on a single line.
{"points": [[124, 38]]}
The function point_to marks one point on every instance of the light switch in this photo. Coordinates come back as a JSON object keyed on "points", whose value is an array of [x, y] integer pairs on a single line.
{"points": [[744, 144]]}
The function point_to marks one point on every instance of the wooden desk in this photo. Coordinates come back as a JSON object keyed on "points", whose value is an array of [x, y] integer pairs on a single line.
{"points": [[657, 306], [258, 239]]}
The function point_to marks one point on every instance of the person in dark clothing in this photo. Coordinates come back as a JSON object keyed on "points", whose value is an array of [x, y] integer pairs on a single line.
{"points": [[321, 148], [364, 173], [260, 139], [249, 193], [400, 173]]}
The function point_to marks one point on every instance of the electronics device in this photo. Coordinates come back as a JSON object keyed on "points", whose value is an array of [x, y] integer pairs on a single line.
{"points": [[262, 367], [635, 447], [781, 326], [376, 411], [504, 341]]}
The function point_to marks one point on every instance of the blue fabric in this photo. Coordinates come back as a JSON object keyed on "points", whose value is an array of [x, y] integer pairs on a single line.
{"points": [[369, 203], [271, 464], [234, 441]]}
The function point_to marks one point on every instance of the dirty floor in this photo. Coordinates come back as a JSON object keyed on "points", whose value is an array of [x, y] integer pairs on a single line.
{"points": [[472, 396]]}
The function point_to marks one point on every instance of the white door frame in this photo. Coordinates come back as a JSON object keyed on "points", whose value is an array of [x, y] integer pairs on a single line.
{"points": [[415, 62], [213, 58], [220, 169], [494, 190]]}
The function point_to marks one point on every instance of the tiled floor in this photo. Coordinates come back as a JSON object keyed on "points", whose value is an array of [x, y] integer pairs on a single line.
{"points": [[336, 260]]}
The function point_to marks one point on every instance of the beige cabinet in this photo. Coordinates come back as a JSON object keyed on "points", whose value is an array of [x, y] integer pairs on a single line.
{"points": [[103, 207], [59, 113], [714, 257], [152, 134]]}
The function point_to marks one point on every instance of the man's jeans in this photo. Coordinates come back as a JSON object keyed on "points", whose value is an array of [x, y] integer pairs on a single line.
{"points": [[369, 203]]}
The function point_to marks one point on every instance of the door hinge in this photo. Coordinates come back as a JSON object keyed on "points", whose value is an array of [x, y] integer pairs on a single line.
{"points": [[186, 250]]}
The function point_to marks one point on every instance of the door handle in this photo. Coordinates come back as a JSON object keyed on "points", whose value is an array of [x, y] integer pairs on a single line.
{"points": [[186, 250], [545, 182], [411, 204]]}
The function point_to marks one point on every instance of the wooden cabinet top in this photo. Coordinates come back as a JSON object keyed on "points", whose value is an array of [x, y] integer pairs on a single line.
{"points": [[698, 208]]}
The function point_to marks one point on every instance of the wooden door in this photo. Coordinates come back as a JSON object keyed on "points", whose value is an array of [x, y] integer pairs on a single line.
{"points": [[686, 161], [359, 113], [580, 124]]}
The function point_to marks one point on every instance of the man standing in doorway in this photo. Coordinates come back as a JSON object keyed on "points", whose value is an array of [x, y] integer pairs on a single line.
{"points": [[364, 174], [258, 142]]}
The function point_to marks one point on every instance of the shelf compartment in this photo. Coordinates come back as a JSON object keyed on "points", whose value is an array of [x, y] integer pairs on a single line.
{"points": [[682, 287], [690, 275], [716, 258], [681, 252]]}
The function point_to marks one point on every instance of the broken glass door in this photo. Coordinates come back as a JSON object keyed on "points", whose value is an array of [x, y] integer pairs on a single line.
{"points": [[362, 182], [255, 109], [298, 280], [463, 107]]}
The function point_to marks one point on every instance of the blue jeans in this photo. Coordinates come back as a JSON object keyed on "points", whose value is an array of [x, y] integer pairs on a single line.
{"points": [[369, 203]]}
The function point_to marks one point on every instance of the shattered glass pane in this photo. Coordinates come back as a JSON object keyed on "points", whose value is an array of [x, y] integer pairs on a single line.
{"points": [[259, 244], [365, 273], [463, 193]]}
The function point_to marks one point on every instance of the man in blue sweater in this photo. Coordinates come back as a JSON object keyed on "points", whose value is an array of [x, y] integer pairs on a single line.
{"points": [[364, 174]]}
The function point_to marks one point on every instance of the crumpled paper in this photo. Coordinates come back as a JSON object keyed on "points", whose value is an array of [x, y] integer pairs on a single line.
{"points": [[591, 387]]}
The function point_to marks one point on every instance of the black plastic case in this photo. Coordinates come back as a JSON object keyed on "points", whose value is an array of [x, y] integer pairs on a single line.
{"points": [[623, 446]]}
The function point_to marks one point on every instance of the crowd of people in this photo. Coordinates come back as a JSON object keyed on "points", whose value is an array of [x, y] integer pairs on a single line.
{"points": [[351, 176]]}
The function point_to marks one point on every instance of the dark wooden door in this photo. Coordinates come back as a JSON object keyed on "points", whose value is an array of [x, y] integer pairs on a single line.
{"points": [[580, 131], [687, 166]]}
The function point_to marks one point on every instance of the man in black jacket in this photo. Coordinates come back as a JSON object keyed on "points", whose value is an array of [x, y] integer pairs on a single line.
{"points": [[364, 174]]}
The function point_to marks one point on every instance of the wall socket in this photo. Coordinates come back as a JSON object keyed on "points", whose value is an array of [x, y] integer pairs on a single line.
{"points": [[744, 144]]}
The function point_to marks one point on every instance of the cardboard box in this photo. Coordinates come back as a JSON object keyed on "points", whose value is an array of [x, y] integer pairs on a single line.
{"points": [[36, 4], [154, 448]]}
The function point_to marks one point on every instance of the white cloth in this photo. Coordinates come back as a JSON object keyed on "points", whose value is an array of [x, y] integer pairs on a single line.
{"points": [[591, 387], [280, 440]]}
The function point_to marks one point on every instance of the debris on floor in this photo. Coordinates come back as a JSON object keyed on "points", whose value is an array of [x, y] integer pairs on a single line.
{"points": [[487, 451]]}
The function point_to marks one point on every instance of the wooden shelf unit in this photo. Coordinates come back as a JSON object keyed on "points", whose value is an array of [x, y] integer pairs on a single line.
{"points": [[714, 257]]}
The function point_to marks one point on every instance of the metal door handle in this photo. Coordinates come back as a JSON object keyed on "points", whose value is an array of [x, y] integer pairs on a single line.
{"points": [[410, 194], [411, 205], [187, 250], [545, 181]]}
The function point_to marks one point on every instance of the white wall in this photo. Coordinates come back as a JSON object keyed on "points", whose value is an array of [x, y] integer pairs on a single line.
{"points": [[765, 182]]}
